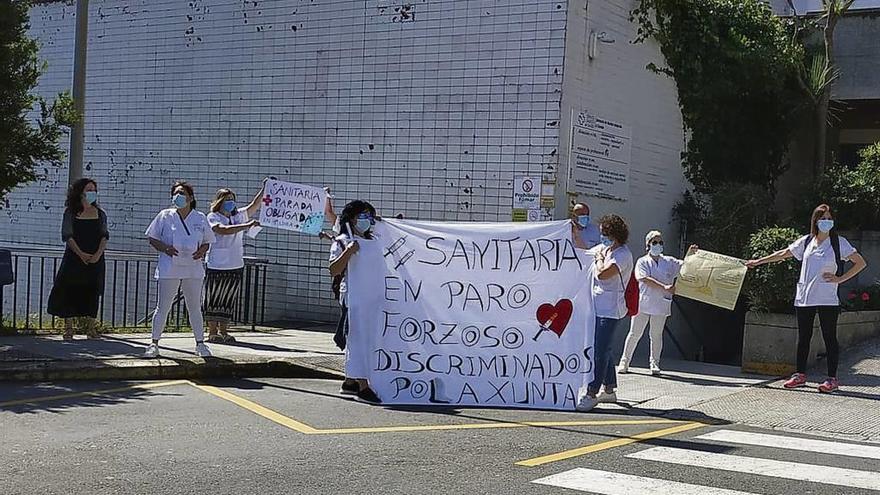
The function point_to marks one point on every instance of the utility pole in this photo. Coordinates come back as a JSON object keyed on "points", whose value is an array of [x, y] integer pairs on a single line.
{"points": [[80, 50]]}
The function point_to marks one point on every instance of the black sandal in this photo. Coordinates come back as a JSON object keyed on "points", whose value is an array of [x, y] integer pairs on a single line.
{"points": [[228, 339], [215, 339]]}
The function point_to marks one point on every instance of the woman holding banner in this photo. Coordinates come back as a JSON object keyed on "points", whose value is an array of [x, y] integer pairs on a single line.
{"points": [[656, 274], [226, 260], [822, 254], [356, 221], [612, 271]]}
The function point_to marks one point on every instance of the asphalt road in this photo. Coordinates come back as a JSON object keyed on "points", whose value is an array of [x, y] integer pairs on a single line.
{"points": [[298, 436]]}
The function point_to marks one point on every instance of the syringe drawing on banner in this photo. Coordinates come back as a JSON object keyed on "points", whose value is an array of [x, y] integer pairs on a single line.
{"points": [[394, 247], [553, 317]]}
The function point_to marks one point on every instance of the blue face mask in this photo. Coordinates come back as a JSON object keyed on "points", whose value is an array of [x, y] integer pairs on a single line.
{"points": [[825, 225], [656, 249], [229, 206], [364, 225], [606, 241], [179, 201], [583, 220], [91, 197], [364, 222]]}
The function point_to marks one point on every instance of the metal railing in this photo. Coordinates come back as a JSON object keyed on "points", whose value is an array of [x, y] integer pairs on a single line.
{"points": [[129, 299]]}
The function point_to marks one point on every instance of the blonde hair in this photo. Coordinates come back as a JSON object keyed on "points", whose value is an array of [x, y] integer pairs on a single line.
{"points": [[220, 197]]}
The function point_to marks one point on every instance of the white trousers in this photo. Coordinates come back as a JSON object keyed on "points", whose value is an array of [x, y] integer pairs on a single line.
{"points": [[192, 294], [637, 329]]}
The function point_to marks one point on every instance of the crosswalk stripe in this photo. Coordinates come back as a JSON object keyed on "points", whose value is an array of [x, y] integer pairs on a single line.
{"points": [[764, 467], [607, 483], [793, 443]]}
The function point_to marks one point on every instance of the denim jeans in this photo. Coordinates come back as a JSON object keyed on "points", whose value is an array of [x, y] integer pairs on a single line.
{"points": [[603, 371]]}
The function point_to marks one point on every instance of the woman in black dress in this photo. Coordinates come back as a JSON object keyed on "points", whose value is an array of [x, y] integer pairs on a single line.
{"points": [[80, 280]]}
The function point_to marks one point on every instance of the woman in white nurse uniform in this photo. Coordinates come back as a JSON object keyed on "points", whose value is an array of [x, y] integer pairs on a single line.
{"points": [[182, 236], [656, 274], [822, 254]]}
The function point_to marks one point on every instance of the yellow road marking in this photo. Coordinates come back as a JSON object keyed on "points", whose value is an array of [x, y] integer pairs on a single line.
{"points": [[106, 391], [589, 449], [257, 409], [301, 427], [487, 426]]}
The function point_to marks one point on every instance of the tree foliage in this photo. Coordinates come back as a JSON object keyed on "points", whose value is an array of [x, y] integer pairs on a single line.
{"points": [[25, 143], [853, 193], [724, 220], [737, 72]]}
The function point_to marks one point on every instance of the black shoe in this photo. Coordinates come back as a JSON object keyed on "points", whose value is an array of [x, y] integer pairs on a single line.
{"points": [[349, 387], [367, 395]]}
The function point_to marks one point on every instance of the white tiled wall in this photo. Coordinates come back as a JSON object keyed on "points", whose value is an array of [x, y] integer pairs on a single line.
{"points": [[616, 85], [424, 107]]}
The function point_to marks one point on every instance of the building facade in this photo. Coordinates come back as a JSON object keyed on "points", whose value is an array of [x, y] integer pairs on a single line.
{"points": [[436, 109]]}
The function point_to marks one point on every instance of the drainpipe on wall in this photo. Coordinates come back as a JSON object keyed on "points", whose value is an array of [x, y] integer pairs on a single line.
{"points": [[77, 135]]}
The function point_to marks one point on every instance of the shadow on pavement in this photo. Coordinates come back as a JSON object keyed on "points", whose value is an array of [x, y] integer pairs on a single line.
{"points": [[470, 412], [260, 347], [690, 380], [65, 397]]}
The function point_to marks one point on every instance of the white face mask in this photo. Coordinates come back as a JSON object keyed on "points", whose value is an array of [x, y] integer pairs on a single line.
{"points": [[656, 249], [825, 225]]}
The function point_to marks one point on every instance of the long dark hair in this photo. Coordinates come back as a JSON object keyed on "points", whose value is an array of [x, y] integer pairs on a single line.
{"points": [[189, 190], [818, 213], [75, 192], [350, 213]]}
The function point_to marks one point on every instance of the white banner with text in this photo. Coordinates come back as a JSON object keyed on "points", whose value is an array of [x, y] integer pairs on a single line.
{"points": [[476, 314]]}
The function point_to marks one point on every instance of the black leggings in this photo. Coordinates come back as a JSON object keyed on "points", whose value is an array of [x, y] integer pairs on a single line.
{"points": [[828, 321]]}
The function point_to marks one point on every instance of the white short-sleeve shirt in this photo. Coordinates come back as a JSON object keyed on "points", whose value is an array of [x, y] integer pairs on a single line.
{"points": [[340, 243], [608, 295], [817, 259], [184, 235], [664, 269], [227, 252]]}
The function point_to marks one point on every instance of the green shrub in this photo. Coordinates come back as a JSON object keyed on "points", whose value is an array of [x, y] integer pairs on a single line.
{"points": [[771, 287], [853, 193]]}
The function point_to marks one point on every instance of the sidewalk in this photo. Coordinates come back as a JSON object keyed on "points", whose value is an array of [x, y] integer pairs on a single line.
{"points": [[281, 353], [707, 392], [686, 390]]}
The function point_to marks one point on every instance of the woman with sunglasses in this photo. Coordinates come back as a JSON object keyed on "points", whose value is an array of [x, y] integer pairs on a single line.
{"points": [[356, 222], [656, 275], [226, 260]]}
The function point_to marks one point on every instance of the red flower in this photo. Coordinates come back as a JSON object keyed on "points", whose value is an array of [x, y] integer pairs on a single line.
{"points": [[851, 296], [865, 296]]}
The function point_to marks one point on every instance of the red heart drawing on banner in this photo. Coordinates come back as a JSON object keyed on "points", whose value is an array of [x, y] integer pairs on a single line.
{"points": [[555, 317]]}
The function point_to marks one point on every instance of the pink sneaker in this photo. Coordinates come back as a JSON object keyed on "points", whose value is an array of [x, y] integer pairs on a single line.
{"points": [[829, 385], [796, 380]]}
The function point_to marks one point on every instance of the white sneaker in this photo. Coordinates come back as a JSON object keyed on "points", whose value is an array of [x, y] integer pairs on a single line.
{"points": [[586, 403], [655, 369], [607, 397], [202, 350], [152, 351], [622, 369]]}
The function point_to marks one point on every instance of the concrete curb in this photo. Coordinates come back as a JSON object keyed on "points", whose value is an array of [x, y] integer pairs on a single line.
{"points": [[162, 369]]}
